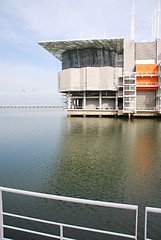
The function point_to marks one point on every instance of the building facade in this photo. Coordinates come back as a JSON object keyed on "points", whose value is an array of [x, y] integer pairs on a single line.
{"points": [[109, 77]]}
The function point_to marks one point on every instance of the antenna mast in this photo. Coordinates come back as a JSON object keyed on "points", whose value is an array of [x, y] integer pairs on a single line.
{"points": [[152, 28], [155, 21], [158, 12], [132, 23]]}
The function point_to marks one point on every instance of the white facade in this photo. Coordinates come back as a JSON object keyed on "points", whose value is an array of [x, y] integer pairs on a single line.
{"points": [[99, 76]]}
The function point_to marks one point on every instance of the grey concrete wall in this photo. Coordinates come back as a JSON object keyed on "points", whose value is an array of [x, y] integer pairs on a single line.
{"points": [[129, 62], [90, 78], [145, 100], [158, 51], [145, 50], [108, 103], [93, 79], [64, 82], [119, 72], [92, 103]]}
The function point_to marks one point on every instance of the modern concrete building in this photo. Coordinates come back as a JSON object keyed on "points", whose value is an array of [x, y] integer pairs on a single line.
{"points": [[104, 77]]}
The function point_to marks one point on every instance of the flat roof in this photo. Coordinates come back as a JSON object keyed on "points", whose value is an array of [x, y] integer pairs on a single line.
{"points": [[57, 48]]}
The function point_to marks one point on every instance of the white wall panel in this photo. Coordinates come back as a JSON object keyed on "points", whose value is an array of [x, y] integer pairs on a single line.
{"points": [[90, 78], [128, 55]]}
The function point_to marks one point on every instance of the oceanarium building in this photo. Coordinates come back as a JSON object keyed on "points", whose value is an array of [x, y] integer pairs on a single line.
{"points": [[109, 77]]}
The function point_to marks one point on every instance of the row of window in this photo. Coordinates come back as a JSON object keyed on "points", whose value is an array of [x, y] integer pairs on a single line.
{"points": [[94, 93], [91, 57]]}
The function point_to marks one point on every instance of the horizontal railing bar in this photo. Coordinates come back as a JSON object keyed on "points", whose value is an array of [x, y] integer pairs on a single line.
{"points": [[153, 210], [101, 231], [35, 232], [8, 239], [70, 226], [31, 219], [70, 199], [31, 231]]}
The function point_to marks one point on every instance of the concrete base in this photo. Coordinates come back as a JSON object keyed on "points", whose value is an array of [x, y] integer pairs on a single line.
{"points": [[146, 114], [84, 113], [106, 113]]}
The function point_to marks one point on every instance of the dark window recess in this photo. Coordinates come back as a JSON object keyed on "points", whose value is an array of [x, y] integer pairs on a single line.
{"points": [[120, 80], [91, 57], [108, 94], [77, 94], [92, 94], [120, 103]]}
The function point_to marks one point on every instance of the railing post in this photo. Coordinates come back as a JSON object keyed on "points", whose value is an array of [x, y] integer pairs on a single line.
{"points": [[61, 232], [136, 227], [1, 216], [145, 229]]}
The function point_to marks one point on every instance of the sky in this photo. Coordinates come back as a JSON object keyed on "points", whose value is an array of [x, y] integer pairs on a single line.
{"points": [[28, 73]]}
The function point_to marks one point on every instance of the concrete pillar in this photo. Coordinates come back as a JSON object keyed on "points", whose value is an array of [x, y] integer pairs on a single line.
{"points": [[100, 100], [68, 100], [84, 100]]}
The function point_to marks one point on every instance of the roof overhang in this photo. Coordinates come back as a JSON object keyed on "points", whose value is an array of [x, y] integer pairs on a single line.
{"points": [[57, 48]]}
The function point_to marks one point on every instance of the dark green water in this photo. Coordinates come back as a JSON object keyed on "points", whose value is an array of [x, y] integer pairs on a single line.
{"points": [[115, 160]]}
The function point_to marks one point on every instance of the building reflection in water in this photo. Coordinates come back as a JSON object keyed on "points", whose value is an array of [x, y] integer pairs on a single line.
{"points": [[107, 159], [89, 163]]}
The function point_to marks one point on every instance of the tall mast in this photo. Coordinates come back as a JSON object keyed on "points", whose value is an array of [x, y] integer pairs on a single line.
{"points": [[152, 28], [158, 12], [132, 23], [155, 21]]}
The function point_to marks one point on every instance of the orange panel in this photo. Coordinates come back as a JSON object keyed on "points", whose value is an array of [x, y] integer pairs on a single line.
{"points": [[146, 83], [146, 68]]}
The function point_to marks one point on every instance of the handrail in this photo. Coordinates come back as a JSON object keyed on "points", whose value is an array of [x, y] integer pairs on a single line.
{"points": [[147, 83], [69, 199], [152, 73], [62, 225], [152, 210]]}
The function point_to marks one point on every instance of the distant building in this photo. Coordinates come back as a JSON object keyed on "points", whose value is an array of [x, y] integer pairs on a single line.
{"points": [[103, 77]]}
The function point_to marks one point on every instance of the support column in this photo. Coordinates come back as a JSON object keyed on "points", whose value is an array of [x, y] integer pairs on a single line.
{"points": [[68, 100], [84, 100], [1, 217], [100, 100]]}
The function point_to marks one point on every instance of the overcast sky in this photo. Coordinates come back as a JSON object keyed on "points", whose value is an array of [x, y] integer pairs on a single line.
{"points": [[28, 73]]}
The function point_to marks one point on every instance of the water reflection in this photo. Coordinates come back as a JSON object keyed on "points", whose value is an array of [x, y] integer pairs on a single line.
{"points": [[109, 159], [90, 164], [106, 159], [142, 172]]}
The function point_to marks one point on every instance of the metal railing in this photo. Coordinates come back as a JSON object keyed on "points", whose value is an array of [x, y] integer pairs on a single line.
{"points": [[151, 74], [62, 225], [150, 210], [146, 84], [132, 74]]}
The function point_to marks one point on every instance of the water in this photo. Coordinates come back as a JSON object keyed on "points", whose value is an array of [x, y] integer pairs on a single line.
{"points": [[116, 160]]}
